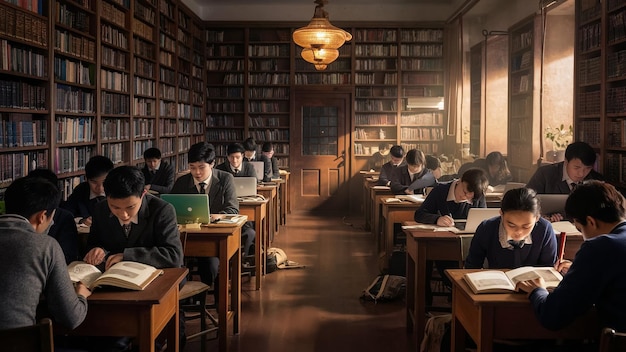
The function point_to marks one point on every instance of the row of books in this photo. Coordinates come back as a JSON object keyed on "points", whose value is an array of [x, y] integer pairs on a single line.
{"points": [[22, 95], [74, 72], [375, 119], [112, 14], [167, 109], [269, 50], [72, 159], [617, 26], [372, 133], [168, 128], [114, 129], [144, 107], [78, 46], [427, 119], [22, 60], [590, 36], [259, 121], [374, 64], [71, 129], [114, 36], [375, 50], [114, 80], [615, 169], [375, 35], [589, 131], [262, 106], [143, 128], [223, 51], [184, 111], [145, 49], [30, 5], [589, 69], [143, 30], [223, 121], [16, 165], [322, 78], [224, 135], [425, 134], [522, 40], [71, 16], [270, 135], [140, 146], [227, 92], [424, 50], [375, 105], [224, 106], [422, 78], [113, 151], [365, 92], [376, 78], [144, 13], [114, 104], [144, 86], [616, 100], [23, 25], [422, 64], [114, 58], [20, 132], [427, 148]]}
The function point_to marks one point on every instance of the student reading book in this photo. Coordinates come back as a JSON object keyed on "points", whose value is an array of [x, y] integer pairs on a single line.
{"points": [[130, 275], [497, 281]]}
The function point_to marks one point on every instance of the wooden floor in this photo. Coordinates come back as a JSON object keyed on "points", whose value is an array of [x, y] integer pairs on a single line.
{"points": [[318, 308]]}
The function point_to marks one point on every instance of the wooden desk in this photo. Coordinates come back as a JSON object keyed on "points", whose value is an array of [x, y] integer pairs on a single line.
{"points": [[428, 245], [376, 194], [257, 211], [486, 317], [368, 183], [140, 314], [222, 241], [392, 213], [270, 192], [285, 197]]}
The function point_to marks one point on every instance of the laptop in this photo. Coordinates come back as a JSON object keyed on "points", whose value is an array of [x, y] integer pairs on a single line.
{"points": [[190, 208], [474, 217], [259, 169], [552, 203], [245, 186]]}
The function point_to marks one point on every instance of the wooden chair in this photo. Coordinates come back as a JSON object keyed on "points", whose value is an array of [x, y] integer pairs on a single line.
{"points": [[35, 338], [196, 292], [611, 341]]}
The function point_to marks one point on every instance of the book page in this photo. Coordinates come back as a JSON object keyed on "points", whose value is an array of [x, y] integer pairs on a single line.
{"points": [[83, 272], [434, 228], [229, 219], [489, 280], [564, 226], [136, 274], [549, 275], [415, 198]]}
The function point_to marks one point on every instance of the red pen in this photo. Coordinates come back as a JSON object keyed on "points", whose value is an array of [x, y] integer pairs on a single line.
{"points": [[561, 250]]}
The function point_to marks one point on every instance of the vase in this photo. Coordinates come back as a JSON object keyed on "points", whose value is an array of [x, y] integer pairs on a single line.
{"points": [[555, 156]]}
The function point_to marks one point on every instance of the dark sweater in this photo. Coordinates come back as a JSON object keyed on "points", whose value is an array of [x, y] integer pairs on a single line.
{"points": [[436, 205]]}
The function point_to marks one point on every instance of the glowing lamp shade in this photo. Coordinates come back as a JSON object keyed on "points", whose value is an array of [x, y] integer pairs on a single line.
{"points": [[321, 58], [320, 39]]}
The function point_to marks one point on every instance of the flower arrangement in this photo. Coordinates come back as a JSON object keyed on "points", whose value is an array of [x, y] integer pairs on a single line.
{"points": [[560, 136]]}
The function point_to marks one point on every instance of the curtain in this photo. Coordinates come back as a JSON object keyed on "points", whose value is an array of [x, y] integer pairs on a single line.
{"points": [[453, 52]]}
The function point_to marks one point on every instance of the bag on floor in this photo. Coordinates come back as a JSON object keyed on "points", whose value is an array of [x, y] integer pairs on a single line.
{"points": [[385, 288], [281, 260]]}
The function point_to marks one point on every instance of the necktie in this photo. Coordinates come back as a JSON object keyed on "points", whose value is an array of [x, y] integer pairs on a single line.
{"points": [[573, 185], [517, 259], [236, 171], [202, 187], [126, 228]]}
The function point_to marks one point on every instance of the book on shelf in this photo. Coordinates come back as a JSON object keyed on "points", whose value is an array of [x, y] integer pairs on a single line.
{"points": [[125, 274], [498, 281]]}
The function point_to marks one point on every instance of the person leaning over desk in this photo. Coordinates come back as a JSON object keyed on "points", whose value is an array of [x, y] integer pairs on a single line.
{"points": [[597, 276], [159, 175], [32, 265], [413, 177], [518, 237], [397, 159]]}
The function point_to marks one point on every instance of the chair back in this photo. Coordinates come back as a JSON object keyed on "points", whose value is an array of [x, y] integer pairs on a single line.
{"points": [[611, 341], [35, 338]]}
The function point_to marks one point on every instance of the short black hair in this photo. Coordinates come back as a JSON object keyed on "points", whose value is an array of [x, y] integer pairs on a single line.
{"points": [[495, 158], [46, 174], [477, 181], [524, 199], [582, 151], [234, 148], [267, 147], [596, 199], [432, 162], [29, 195], [152, 153], [123, 182], [249, 144], [202, 151], [397, 151], [97, 166], [415, 157]]}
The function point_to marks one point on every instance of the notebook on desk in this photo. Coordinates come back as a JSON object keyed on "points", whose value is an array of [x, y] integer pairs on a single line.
{"points": [[474, 217], [552, 203], [245, 186], [190, 208]]}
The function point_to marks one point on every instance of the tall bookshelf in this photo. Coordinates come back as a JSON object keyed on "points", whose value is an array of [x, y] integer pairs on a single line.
{"points": [[75, 86], [476, 94], [198, 87], [25, 65], [167, 86], [523, 124], [600, 117]]}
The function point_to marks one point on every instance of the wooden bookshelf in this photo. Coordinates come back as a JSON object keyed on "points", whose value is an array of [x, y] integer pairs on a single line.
{"points": [[600, 62], [476, 98], [524, 83]]}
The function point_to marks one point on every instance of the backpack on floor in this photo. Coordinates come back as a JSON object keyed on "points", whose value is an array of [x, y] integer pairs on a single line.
{"points": [[277, 259], [385, 288]]}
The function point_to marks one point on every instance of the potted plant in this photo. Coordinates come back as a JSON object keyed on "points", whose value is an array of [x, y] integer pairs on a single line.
{"points": [[560, 137]]}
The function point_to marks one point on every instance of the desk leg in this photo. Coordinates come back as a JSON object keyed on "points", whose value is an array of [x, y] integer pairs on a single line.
{"points": [[411, 286], [258, 243], [222, 304], [420, 287], [172, 331], [235, 291]]}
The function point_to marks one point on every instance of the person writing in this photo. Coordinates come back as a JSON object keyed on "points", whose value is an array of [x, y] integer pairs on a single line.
{"points": [[596, 277], [494, 165], [159, 175], [397, 159], [30, 206], [378, 159], [518, 237], [267, 155], [413, 177]]}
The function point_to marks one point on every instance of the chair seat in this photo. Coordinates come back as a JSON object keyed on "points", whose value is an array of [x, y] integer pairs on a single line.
{"points": [[192, 288]]}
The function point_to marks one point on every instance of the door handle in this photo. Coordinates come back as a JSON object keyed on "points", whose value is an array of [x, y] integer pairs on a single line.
{"points": [[342, 156]]}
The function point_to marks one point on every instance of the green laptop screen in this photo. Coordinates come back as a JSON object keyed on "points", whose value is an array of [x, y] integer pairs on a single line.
{"points": [[190, 208]]}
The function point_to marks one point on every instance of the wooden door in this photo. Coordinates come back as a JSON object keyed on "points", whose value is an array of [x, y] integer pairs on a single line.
{"points": [[318, 152]]}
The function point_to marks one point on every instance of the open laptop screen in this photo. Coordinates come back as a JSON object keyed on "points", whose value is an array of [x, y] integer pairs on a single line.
{"points": [[245, 186], [258, 169], [190, 208]]}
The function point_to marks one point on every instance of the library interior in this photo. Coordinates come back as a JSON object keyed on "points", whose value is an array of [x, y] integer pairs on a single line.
{"points": [[349, 135]]}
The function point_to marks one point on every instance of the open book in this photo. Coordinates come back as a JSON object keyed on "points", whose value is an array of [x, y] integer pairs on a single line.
{"points": [[498, 281], [434, 228], [130, 275]]}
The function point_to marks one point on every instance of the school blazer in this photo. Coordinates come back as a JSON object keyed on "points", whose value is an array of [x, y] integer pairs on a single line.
{"points": [[436, 205], [154, 240], [548, 179], [401, 180], [247, 169], [78, 203], [163, 180], [267, 166], [222, 197]]}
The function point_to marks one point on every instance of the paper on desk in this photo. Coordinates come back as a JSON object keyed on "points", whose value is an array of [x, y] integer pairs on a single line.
{"points": [[434, 228]]}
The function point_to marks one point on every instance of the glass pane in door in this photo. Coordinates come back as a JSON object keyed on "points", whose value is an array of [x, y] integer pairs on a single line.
{"points": [[319, 130]]}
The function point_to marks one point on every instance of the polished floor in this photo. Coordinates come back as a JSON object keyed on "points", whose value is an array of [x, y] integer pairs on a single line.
{"points": [[317, 308]]}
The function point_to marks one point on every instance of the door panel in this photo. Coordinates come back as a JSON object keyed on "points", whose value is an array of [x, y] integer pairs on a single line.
{"points": [[319, 143]]}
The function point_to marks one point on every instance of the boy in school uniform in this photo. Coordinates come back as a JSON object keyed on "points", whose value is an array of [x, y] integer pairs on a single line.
{"points": [[413, 177], [159, 175], [563, 177], [596, 277], [86, 195], [250, 154], [235, 163], [397, 159], [39, 260], [63, 228], [218, 185], [267, 154], [494, 165]]}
